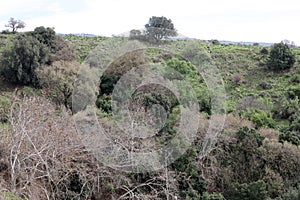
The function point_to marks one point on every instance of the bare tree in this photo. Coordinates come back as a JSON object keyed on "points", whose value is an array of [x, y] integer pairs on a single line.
{"points": [[46, 158]]}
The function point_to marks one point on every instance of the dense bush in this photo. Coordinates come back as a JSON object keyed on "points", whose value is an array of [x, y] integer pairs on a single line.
{"points": [[292, 132], [290, 136], [191, 185], [252, 191], [20, 62], [260, 118], [281, 57], [264, 51], [292, 193], [283, 159], [4, 108], [44, 35]]}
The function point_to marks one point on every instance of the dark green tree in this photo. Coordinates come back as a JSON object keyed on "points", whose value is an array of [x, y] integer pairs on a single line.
{"points": [[281, 57], [252, 191], [44, 35], [15, 24], [292, 133], [20, 62], [160, 27]]}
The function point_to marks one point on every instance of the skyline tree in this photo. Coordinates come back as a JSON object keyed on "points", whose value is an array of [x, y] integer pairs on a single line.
{"points": [[15, 24], [159, 28]]}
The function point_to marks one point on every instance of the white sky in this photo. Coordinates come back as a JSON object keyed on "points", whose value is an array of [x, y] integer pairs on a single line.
{"points": [[235, 20]]}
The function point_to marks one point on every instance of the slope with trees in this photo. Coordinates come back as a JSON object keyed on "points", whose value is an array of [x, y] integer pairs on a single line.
{"points": [[41, 152]]}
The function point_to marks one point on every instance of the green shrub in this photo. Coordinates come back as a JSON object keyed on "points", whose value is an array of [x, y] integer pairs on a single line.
{"points": [[292, 194], [294, 91], [281, 57], [288, 108], [248, 133], [9, 196], [284, 160], [292, 132], [290, 136], [252, 191], [44, 35], [21, 61], [264, 51], [213, 196], [274, 183], [4, 108], [260, 118], [104, 103], [191, 185]]}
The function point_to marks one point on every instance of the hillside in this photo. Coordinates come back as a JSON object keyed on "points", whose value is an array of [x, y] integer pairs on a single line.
{"points": [[256, 155]]}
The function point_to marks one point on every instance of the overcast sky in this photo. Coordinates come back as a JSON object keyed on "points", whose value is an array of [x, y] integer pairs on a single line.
{"points": [[235, 20]]}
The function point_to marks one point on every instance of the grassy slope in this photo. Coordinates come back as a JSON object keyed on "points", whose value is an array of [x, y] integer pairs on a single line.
{"points": [[244, 61]]}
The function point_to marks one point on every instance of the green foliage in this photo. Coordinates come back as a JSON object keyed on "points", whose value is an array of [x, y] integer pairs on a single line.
{"points": [[20, 62], [158, 98], [252, 191], [188, 72], [281, 57], [241, 158], [260, 118], [9, 196], [243, 165], [104, 103], [183, 67], [213, 196], [264, 51], [284, 160], [4, 108], [245, 134], [292, 132], [83, 45], [274, 183], [294, 91], [160, 27], [295, 124], [114, 72], [288, 108], [191, 185], [293, 193], [118, 68], [290, 136], [44, 35]]}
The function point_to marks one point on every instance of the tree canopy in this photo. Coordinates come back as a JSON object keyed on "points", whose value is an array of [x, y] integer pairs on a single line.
{"points": [[160, 27], [15, 24], [281, 57], [19, 62]]}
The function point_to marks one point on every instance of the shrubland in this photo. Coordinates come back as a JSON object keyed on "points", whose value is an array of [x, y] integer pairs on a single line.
{"points": [[42, 156]]}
